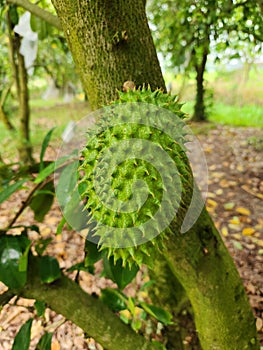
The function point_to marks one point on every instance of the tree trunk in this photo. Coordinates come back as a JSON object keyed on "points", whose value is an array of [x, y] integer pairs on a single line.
{"points": [[260, 4], [199, 109], [204, 267], [20, 78], [3, 115], [25, 147], [5, 119], [110, 43]]}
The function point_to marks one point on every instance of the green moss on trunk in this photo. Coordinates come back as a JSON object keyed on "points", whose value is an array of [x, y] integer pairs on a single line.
{"points": [[201, 262], [67, 298], [110, 43]]}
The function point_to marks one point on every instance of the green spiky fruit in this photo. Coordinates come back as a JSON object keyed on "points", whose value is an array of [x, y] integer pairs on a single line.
{"points": [[134, 173]]}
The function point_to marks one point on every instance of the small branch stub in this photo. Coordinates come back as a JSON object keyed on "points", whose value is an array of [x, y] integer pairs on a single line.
{"points": [[128, 85]]}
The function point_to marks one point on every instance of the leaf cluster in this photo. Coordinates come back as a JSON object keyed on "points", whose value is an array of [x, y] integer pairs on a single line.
{"points": [[182, 30]]}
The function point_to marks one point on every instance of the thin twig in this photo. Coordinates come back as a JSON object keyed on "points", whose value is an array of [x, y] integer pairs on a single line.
{"points": [[253, 193], [24, 205]]}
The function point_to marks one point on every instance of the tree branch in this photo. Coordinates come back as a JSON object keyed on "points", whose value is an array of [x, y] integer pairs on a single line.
{"points": [[6, 297], [260, 4], [5, 119], [240, 4], [24, 205], [37, 11], [89, 313]]}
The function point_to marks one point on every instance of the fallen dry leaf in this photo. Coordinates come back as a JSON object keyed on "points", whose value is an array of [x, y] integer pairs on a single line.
{"points": [[235, 220], [248, 231], [259, 324], [55, 345], [211, 203], [224, 231], [243, 211]]}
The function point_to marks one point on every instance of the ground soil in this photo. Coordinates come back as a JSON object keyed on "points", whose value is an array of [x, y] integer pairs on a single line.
{"points": [[234, 199]]}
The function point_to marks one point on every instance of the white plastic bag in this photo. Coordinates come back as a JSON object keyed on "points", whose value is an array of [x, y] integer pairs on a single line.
{"points": [[29, 42]]}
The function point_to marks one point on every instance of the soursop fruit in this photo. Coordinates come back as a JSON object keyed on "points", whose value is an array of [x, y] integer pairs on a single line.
{"points": [[134, 174]]}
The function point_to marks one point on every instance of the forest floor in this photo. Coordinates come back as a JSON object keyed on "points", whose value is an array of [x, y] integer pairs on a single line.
{"points": [[234, 198], [235, 201]]}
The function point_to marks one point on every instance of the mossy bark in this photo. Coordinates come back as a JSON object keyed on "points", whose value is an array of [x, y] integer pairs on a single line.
{"points": [[3, 115], [67, 298], [110, 42], [201, 262], [168, 293]]}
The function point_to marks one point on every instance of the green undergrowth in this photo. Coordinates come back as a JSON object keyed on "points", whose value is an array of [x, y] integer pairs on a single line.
{"points": [[247, 115], [45, 115]]}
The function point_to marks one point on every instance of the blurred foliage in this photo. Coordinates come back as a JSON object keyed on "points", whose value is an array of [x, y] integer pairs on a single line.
{"points": [[183, 28], [54, 59], [187, 32]]}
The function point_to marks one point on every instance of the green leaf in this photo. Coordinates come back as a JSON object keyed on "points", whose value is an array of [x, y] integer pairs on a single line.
{"points": [[158, 345], [42, 244], [22, 339], [147, 284], [158, 313], [23, 261], [92, 253], [69, 198], [13, 260], [34, 228], [49, 270], [40, 307], [80, 267], [44, 147], [124, 319], [42, 201], [52, 167], [114, 299], [6, 193], [119, 274], [45, 342], [13, 14], [60, 226], [40, 26], [45, 173], [136, 324], [131, 305], [67, 182]]}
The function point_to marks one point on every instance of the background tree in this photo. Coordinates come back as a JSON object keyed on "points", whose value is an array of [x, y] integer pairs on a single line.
{"points": [[53, 60], [185, 32], [19, 78], [5, 78]]}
